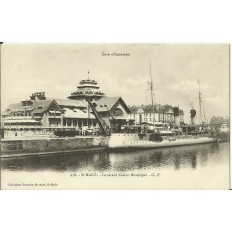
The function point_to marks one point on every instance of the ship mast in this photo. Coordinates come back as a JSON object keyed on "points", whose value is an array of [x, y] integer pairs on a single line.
{"points": [[152, 94], [200, 104]]}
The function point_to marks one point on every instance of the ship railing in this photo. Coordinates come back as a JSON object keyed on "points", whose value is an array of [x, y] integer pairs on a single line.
{"points": [[126, 130], [132, 130]]}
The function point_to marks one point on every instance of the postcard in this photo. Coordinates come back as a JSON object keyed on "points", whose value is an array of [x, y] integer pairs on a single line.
{"points": [[115, 116]]}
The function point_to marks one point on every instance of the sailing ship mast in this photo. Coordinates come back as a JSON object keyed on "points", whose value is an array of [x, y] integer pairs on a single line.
{"points": [[200, 103], [152, 94]]}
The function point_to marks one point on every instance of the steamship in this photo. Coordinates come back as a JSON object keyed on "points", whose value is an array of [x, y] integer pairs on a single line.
{"points": [[161, 138], [158, 137], [164, 139]]}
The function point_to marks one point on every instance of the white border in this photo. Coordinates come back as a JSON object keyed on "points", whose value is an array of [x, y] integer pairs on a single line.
{"points": [[122, 22]]}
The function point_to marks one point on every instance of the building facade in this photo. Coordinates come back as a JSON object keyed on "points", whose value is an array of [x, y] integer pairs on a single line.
{"points": [[41, 114], [164, 114]]}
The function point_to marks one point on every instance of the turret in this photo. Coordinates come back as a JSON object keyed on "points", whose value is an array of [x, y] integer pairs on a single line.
{"points": [[87, 89]]}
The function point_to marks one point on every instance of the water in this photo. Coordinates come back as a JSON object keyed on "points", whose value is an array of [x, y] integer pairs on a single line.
{"points": [[188, 167]]}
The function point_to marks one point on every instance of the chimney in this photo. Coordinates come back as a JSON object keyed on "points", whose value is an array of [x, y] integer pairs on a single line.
{"points": [[176, 112], [192, 117]]}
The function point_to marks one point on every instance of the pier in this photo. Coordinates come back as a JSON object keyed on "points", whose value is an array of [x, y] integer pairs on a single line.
{"points": [[45, 145]]}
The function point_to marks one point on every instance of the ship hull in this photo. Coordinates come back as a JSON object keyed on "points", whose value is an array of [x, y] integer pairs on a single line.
{"points": [[133, 141]]}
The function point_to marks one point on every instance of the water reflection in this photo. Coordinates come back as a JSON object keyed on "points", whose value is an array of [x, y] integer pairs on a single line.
{"points": [[177, 158]]}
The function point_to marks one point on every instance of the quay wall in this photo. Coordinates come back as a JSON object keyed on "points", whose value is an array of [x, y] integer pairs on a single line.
{"points": [[25, 146]]}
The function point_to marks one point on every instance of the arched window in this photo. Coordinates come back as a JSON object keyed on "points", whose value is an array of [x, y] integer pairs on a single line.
{"points": [[118, 112]]}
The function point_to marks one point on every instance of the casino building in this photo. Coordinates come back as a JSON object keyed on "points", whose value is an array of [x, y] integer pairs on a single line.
{"points": [[44, 115]]}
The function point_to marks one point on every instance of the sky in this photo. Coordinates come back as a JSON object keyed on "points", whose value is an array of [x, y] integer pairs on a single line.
{"points": [[57, 69]]}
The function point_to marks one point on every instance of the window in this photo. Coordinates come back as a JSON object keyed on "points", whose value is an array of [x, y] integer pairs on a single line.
{"points": [[118, 112]]}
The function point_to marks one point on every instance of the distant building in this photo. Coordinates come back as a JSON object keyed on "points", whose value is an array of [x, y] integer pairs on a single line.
{"points": [[145, 113]]}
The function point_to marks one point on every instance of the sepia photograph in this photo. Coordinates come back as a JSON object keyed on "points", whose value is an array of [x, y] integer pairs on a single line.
{"points": [[115, 116]]}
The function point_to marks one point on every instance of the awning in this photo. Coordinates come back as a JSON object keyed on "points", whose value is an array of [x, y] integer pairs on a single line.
{"points": [[159, 123], [20, 121], [127, 118], [54, 112]]}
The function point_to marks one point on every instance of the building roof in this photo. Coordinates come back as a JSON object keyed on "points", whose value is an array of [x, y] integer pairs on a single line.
{"points": [[41, 106], [147, 109], [107, 103], [68, 102], [16, 107], [77, 114], [37, 107]]}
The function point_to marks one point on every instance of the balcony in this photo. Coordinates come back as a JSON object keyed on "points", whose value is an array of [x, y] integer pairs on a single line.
{"points": [[38, 116], [16, 118], [55, 116]]}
